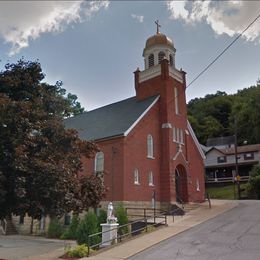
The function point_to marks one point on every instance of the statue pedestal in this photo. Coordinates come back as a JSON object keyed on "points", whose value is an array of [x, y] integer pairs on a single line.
{"points": [[110, 235]]}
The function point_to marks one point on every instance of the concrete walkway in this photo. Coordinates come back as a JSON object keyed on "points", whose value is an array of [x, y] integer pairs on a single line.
{"points": [[191, 219]]}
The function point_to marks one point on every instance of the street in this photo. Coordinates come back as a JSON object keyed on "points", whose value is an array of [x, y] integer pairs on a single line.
{"points": [[234, 235]]}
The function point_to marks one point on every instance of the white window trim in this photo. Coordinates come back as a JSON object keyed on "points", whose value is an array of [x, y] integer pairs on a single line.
{"points": [[197, 185], [136, 177], [150, 146], [176, 101], [181, 137], [150, 179], [174, 134], [178, 135], [96, 157]]}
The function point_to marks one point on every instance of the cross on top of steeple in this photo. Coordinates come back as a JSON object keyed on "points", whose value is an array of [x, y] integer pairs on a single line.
{"points": [[158, 26]]}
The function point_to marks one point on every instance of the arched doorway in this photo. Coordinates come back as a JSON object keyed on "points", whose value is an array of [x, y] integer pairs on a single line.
{"points": [[181, 184]]}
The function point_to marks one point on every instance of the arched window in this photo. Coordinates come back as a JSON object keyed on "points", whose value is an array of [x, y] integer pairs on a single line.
{"points": [[149, 146], [151, 60], [171, 60], [99, 162], [150, 179], [161, 56], [197, 185], [136, 177]]}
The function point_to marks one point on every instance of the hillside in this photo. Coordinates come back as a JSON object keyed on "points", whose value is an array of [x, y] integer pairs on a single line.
{"points": [[213, 115]]}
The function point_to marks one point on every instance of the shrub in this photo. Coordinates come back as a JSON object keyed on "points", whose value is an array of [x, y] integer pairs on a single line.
{"points": [[65, 235], [55, 228], [88, 226], [255, 171], [78, 251], [122, 218], [71, 233], [102, 218], [253, 186]]}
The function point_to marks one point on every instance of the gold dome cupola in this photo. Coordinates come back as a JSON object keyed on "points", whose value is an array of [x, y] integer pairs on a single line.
{"points": [[158, 47]]}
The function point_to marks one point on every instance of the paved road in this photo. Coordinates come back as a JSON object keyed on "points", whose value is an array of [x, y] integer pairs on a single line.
{"points": [[28, 247], [234, 235]]}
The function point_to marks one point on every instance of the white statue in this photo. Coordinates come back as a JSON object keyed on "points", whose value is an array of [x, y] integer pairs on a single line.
{"points": [[110, 210]]}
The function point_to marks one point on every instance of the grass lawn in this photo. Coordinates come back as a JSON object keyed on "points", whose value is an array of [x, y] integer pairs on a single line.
{"points": [[223, 192]]}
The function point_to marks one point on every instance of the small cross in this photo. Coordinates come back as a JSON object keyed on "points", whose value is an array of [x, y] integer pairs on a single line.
{"points": [[158, 26]]}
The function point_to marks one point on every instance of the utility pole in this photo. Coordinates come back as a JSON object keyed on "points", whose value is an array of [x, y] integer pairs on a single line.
{"points": [[236, 160]]}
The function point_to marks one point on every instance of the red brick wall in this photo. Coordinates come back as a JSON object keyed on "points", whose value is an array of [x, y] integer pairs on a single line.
{"points": [[113, 165], [196, 172], [136, 157]]}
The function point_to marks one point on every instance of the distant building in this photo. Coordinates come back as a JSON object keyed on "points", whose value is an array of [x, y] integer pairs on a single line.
{"points": [[220, 165], [147, 146]]}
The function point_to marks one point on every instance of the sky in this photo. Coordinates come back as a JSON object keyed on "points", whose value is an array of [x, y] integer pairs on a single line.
{"points": [[95, 46]]}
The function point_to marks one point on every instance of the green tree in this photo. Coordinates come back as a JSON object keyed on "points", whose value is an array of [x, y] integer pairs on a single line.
{"points": [[246, 108], [213, 115], [91, 191], [71, 233], [88, 226], [102, 218], [253, 186], [55, 228], [122, 218], [39, 158]]}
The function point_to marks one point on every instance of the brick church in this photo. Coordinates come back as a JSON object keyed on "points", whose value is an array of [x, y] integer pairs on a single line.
{"points": [[147, 147]]}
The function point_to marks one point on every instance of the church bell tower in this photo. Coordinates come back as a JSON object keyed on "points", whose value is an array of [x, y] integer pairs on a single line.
{"points": [[161, 78]]}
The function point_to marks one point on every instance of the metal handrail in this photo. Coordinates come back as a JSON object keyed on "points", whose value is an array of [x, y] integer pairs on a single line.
{"points": [[208, 199], [179, 200], [154, 211], [172, 213], [120, 236]]}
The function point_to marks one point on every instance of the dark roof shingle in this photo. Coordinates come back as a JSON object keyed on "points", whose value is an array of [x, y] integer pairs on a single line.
{"points": [[109, 121]]}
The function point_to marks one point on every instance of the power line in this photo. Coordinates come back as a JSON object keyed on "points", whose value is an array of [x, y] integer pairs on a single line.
{"points": [[224, 50]]}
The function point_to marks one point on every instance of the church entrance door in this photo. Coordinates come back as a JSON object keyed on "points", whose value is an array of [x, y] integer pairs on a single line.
{"points": [[181, 184]]}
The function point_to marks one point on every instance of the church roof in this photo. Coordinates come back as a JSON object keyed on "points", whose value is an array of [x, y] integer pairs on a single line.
{"points": [[113, 120]]}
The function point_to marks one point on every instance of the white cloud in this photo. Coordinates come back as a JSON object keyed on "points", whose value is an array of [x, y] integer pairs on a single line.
{"points": [[139, 18], [22, 21], [224, 17]]}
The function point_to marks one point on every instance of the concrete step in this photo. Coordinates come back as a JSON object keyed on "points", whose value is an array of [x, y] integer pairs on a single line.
{"points": [[191, 206], [10, 230], [176, 209]]}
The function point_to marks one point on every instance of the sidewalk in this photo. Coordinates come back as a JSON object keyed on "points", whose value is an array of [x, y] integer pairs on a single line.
{"points": [[181, 223]]}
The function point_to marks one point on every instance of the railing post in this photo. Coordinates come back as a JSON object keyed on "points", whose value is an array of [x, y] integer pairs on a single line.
{"points": [[88, 245], [208, 196], [154, 219], [120, 236], [146, 225]]}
